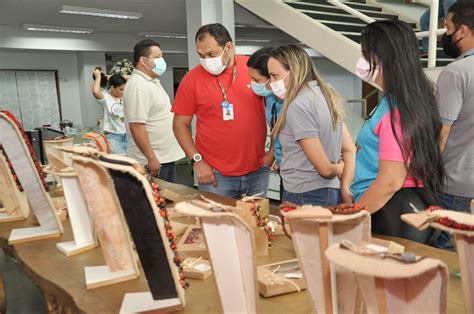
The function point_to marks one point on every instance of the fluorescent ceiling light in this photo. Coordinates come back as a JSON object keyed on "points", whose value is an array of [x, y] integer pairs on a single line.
{"points": [[161, 35], [58, 29], [253, 40], [69, 9]]}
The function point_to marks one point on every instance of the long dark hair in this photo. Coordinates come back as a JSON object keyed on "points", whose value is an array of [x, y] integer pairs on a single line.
{"points": [[393, 45]]}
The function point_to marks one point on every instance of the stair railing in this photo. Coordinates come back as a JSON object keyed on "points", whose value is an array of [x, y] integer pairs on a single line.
{"points": [[432, 33]]}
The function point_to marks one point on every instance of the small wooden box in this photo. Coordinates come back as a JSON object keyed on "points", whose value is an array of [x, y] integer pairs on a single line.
{"points": [[245, 212], [192, 243], [200, 270], [273, 279]]}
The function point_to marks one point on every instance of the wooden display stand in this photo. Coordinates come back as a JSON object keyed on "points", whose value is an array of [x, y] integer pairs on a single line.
{"points": [[146, 226], [231, 248], [14, 145], [313, 230], [390, 285], [81, 224], [53, 146], [15, 204], [107, 219], [464, 243]]}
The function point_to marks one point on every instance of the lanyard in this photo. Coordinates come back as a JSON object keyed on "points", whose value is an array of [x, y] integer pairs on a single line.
{"points": [[224, 91]]}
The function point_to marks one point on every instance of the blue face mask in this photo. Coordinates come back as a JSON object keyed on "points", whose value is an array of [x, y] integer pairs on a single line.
{"points": [[160, 66], [260, 89]]}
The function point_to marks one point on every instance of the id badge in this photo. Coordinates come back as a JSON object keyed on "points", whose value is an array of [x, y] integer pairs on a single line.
{"points": [[227, 111]]}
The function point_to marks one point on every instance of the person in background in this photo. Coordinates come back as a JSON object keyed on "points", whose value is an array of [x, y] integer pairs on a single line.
{"points": [[398, 163], [311, 131], [258, 71], [456, 105], [147, 113], [229, 153], [444, 6], [111, 100]]}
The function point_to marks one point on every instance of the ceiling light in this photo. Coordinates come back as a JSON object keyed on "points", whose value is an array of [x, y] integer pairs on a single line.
{"points": [[69, 9], [161, 35], [58, 29], [253, 40]]}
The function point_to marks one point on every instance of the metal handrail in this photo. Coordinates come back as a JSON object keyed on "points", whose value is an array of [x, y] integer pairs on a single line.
{"points": [[363, 101], [432, 33]]}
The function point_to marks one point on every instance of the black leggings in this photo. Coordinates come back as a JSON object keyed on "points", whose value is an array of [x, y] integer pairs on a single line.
{"points": [[387, 220]]}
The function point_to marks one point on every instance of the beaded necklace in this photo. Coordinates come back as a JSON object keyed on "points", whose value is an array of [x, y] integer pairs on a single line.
{"points": [[256, 210], [161, 203], [37, 164], [448, 222]]}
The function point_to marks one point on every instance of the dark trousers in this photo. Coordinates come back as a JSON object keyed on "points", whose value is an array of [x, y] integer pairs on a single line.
{"points": [[387, 220], [168, 172]]}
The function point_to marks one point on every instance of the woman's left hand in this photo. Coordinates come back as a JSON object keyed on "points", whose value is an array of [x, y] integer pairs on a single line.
{"points": [[346, 195]]}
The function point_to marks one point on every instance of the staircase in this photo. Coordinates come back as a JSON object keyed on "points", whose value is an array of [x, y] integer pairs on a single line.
{"points": [[324, 27]]}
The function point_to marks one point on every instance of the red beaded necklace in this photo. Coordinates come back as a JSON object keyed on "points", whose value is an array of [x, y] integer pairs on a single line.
{"points": [[38, 166], [346, 209], [161, 203], [12, 171], [256, 210], [448, 222]]}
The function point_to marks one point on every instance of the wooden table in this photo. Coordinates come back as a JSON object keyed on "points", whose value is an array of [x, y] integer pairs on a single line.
{"points": [[61, 278]]}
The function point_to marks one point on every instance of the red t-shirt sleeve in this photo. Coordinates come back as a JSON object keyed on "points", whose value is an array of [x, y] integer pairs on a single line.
{"points": [[185, 99], [389, 149]]}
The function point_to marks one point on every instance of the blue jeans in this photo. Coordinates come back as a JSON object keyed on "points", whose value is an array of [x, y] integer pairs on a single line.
{"points": [[319, 197], [425, 20], [230, 186], [168, 172], [452, 202], [118, 143]]}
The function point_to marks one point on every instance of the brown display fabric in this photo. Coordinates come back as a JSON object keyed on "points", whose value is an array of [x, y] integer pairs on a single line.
{"points": [[106, 216], [409, 287], [313, 229], [464, 243], [245, 246], [14, 145]]}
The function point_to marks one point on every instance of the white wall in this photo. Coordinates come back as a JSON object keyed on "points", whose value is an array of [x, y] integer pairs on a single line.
{"points": [[66, 65]]}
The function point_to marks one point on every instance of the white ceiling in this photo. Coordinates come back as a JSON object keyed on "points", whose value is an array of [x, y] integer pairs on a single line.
{"points": [[158, 15]]}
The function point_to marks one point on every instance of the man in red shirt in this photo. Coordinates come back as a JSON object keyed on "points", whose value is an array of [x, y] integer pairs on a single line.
{"points": [[229, 152]]}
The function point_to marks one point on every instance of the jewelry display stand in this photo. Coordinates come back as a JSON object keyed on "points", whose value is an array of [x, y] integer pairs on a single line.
{"points": [[14, 202], [148, 227], [231, 248], [462, 226], [313, 230], [81, 224], [13, 140], [107, 219], [390, 285]]}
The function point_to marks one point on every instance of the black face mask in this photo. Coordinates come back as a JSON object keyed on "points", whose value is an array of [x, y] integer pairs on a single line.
{"points": [[450, 48]]}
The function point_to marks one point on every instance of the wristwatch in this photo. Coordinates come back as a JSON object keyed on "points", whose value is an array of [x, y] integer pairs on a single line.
{"points": [[196, 157]]}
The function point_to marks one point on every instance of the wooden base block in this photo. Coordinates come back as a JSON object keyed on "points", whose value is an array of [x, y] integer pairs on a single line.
{"points": [[142, 302], [31, 234], [261, 241], [99, 276], [4, 217], [70, 248]]}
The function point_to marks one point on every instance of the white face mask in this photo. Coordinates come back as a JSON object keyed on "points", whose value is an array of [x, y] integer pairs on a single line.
{"points": [[278, 87], [363, 70], [215, 66]]}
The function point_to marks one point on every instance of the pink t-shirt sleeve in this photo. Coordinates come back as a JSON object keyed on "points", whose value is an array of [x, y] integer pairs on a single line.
{"points": [[389, 149]]}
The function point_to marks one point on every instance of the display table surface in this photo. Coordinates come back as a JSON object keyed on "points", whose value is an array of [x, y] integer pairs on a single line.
{"points": [[61, 278]]}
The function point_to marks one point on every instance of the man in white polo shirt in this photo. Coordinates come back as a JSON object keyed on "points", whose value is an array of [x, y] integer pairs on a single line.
{"points": [[148, 117]]}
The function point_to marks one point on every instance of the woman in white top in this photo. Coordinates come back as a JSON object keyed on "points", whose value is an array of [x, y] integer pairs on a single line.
{"points": [[111, 99]]}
